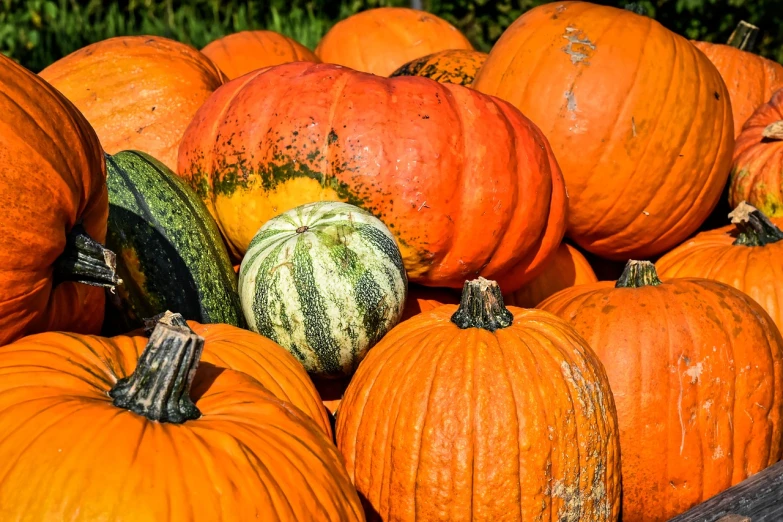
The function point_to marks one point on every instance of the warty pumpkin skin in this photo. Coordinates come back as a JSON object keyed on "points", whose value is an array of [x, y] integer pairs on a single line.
{"points": [[84, 439], [53, 200], [458, 66], [758, 160], [640, 121], [695, 367], [390, 146], [380, 40], [137, 92], [568, 267], [481, 413], [239, 53], [747, 255]]}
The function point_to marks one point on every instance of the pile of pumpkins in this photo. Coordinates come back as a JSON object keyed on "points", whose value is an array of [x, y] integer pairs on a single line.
{"points": [[362, 283]]}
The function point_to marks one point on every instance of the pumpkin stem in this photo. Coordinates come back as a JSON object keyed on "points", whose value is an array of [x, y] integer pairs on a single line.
{"points": [[482, 307], [755, 229], [86, 261], [638, 274], [773, 131], [159, 388], [744, 36]]}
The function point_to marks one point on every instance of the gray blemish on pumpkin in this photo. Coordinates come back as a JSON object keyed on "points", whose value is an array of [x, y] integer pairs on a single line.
{"points": [[578, 45], [571, 103]]}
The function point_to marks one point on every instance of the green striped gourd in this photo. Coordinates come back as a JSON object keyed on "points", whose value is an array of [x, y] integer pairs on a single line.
{"points": [[326, 281], [170, 254]]}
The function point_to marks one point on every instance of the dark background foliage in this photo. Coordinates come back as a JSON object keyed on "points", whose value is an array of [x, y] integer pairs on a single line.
{"points": [[37, 32]]}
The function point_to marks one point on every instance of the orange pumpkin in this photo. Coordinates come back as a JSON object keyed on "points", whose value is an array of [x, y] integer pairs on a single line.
{"points": [[477, 412], [173, 440], [747, 255], [458, 66], [639, 121], [568, 267], [751, 79], [239, 53], [53, 202], [695, 367], [758, 160], [424, 298], [138, 92], [383, 145], [380, 40]]}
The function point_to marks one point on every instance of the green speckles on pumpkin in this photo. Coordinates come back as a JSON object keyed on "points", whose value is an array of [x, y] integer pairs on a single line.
{"points": [[332, 138]]}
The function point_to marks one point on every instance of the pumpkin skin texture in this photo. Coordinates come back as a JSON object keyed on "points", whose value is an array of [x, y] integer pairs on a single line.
{"points": [[170, 252], [758, 160], [695, 367], [381, 40], [567, 268], [54, 177], [458, 66], [326, 281], [423, 299], [137, 92], [239, 53], [323, 132], [60, 430], [737, 255], [421, 441], [639, 120]]}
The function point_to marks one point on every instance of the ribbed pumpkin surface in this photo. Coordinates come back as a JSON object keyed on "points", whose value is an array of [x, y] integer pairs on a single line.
{"points": [[326, 281]]}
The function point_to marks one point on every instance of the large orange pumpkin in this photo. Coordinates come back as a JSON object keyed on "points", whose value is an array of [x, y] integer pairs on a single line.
{"points": [[464, 181], [138, 92], [380, 40], [568, 267], [747, 255], [85, 437], [639, 120], [458, 66], [695, 367], [478, 413], [751, 79], [239, 53], [53, 200], [757, 176]]}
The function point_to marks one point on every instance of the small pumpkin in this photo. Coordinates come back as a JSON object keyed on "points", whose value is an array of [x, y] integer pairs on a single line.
{"points": [[747, 255], [380, 40], [567, 268], [239, 53], [170, 254], [640, 123], [758, 160], [479, 412], [384, 150], [695, 368], [171, 439], [137, 92], [53, 212], [458, 66], [424, 298], [326, 281]]}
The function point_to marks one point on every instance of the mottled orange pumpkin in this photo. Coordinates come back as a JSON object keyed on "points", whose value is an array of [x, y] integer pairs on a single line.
{"points": [[420, 155], [53, 200], [479, 413], [747, 255], [639, 120], [695, 367], [380, 40], [137, 92], [757, 176], [458, 66], [424, 298], [239, 53], [567, 268], [96, 428]]}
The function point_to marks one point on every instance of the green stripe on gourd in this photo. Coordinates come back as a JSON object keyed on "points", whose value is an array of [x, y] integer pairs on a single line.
{"points": [[326, 281], [170, 254]]}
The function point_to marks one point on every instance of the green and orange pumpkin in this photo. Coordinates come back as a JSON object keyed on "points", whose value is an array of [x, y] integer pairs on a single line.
{"points": [[458, 66]]}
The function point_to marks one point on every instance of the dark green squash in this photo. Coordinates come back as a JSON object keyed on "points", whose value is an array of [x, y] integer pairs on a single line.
{"points": [[170, 255]]}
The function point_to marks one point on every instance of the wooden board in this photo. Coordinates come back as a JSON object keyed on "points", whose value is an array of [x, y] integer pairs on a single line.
{"points": [[757, 499]]}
